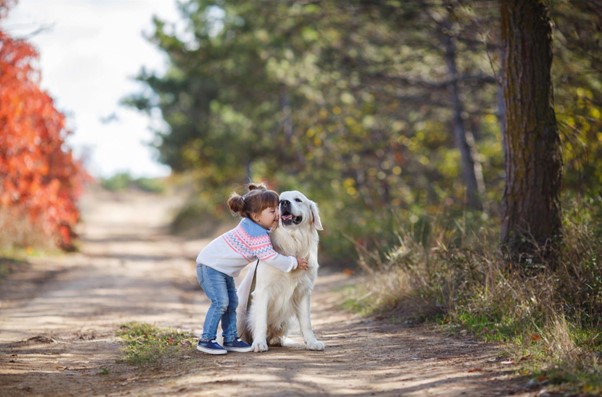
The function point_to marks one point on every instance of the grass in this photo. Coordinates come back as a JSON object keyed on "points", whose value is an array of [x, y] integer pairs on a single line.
{"points": [[10, 264], [550, 322], [146, 345], [18, 234], [20, 240]]}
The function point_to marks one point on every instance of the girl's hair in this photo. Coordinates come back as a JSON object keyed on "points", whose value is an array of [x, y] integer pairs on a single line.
{"points": [[254, 201]]}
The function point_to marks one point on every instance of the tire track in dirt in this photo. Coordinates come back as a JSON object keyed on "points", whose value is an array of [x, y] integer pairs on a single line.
{"points": [[58, 320]]}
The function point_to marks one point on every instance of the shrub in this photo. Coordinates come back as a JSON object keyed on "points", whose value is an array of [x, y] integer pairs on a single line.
{"points": [[457, 275], [39, 177], [123, 181]]}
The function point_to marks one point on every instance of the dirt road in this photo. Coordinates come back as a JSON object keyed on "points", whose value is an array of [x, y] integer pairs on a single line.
{"points": [[59, 317]]}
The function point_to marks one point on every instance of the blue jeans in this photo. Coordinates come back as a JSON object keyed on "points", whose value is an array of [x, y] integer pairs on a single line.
{"points": [[221, 291]]}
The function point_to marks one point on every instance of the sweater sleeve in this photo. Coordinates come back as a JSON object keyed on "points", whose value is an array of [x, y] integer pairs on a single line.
{"points": [[263, 250], [283, 263]]}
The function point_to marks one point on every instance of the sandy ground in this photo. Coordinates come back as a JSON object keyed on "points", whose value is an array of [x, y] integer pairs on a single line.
{"points": [[59, 316]]}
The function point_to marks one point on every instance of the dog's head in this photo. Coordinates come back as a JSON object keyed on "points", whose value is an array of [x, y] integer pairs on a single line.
{"points": [[297, 210]]}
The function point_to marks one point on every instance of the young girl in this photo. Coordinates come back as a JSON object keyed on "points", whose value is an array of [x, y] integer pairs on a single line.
{"points": [[223, 259]]}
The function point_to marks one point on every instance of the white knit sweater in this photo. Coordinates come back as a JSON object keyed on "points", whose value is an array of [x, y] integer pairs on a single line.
{"points": [[233, 250]]}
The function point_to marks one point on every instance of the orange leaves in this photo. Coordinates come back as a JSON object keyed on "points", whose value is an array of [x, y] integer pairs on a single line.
{"points": [[37, 173]]}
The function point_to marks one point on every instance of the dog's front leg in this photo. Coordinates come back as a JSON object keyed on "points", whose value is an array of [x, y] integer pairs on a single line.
{"points": [[260, 322], [303, 315]]}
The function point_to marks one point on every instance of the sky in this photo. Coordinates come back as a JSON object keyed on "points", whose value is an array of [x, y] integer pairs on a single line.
{"points": [[90, 51]]}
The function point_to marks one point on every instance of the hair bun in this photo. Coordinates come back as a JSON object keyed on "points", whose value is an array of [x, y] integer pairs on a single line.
{"points": [[256, 186], [236, 203]]}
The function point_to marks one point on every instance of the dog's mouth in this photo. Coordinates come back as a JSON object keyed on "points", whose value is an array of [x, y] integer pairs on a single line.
{"points": [[288, 218]]}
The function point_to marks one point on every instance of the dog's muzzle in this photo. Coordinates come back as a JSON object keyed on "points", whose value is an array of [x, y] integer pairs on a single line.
{"points": [[286, 216]]}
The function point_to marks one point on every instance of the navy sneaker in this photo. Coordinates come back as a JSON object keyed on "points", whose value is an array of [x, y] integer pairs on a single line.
{"points": [[210, 347], [238, 345]]}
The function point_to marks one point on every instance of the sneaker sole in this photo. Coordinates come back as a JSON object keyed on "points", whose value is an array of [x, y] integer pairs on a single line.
{"points": [[211, 351], [239, 349]]}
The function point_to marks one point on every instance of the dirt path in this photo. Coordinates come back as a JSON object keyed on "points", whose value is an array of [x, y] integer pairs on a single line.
{"points": [[58, 321]]}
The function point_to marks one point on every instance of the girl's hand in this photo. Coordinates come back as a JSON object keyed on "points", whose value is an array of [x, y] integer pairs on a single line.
{"points": [[302, 264]]}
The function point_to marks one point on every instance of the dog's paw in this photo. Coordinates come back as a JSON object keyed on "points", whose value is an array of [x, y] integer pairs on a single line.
{"points": [[260, 346], [315, 345]]}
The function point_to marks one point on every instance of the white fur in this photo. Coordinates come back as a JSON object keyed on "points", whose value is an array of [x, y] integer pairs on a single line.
{"points": [[278, 297]]}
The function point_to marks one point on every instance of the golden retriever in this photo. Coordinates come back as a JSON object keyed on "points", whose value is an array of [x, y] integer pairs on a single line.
{"points": [[270, 299]]}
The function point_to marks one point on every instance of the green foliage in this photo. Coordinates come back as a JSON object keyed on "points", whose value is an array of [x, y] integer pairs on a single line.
{"points": [[148, 346], [334, 99], [123, 181], [350, 103], [578, 92]]}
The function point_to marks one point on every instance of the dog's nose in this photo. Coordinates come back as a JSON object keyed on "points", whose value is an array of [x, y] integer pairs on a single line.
{"points": [[285, 203]]}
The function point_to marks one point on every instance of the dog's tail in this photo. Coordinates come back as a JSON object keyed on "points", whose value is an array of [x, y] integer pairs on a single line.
{"points": [[245, 296]]}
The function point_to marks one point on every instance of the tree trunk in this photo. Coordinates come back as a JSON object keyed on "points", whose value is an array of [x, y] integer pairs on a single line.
{"points": [[531, 214], [472, 173]]}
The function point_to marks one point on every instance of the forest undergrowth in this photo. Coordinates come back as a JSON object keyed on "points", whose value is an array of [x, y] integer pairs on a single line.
{"points": [[549, 321]]}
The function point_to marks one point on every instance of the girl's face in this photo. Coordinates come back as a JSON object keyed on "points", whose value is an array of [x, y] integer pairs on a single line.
{"points": [[266, 218]]}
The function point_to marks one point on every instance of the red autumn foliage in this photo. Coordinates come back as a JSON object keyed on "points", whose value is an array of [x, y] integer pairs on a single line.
{"points": [[39, 176]]}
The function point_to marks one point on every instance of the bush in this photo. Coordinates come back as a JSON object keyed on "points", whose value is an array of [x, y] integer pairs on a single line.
{"points": [[123, 181], [39, 177], [457, 276]]}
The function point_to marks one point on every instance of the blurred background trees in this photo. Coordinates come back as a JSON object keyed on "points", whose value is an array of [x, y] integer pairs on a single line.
{"points": [[380, 110]]}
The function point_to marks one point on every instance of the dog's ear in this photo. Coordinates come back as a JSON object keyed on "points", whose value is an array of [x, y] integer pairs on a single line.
{"points": [[315, 215]]}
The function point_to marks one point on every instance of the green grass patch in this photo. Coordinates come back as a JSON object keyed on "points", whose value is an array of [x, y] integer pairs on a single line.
{"points": [[504, 329], [356, 299], [146, 345]]}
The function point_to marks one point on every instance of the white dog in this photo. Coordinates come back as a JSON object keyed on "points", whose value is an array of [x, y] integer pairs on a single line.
{"points": [[269, 298]]}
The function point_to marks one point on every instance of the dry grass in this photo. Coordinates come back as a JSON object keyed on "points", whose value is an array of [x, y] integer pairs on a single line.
{"points": [[16, 231], [550, 320]]}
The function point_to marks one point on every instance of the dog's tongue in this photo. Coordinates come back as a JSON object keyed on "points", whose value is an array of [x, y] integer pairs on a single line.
{"points": [[286, 217]]}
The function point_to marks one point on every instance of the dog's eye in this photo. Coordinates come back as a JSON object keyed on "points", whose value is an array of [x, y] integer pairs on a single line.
{"points": [[298, 200]]}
